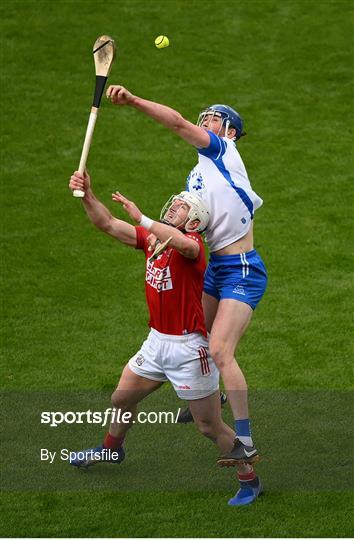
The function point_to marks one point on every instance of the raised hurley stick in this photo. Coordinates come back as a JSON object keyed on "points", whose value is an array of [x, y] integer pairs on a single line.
{"points": [[104, 52], [160, 248]]}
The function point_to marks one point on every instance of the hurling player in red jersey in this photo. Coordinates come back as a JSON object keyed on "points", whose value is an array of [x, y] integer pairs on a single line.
{"points": [[176, 349]]}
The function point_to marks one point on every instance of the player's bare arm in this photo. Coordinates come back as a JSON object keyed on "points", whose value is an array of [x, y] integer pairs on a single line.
{"points": [[183, 244], [99, 215], [170, 118]]}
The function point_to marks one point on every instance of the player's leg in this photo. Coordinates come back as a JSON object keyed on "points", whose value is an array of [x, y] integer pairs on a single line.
{"points": [[238, 282], [231, 320], [194, 375], [226, 323], [140, 377], [132, 388], [185, 416], [207, 416]]}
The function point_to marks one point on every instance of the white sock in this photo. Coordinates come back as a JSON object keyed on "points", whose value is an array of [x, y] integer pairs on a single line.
{"points": [[245, 440]]}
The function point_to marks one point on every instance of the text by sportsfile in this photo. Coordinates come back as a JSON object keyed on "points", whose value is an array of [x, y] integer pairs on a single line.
{"points": [[65, 455]]}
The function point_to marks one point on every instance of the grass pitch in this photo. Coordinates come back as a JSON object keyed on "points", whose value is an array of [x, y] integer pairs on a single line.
{"points": [[73, 300]]}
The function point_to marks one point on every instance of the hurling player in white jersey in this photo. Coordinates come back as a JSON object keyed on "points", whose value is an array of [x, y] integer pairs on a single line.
{"points": [[176, 348], [236, 277]]}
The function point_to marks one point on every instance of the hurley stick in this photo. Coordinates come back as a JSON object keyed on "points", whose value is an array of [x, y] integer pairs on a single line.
{"points": [[159, 248], [104, 52]]}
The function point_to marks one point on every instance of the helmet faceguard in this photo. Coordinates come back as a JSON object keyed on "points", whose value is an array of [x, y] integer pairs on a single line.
{"points": [[197, 211], [230, 118]]}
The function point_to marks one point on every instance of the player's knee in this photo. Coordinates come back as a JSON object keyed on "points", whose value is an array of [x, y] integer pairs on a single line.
{"points": [[207, 429], [219, 354], [120, 400]]}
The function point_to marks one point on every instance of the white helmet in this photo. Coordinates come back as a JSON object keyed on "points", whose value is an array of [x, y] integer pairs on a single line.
{"points": [[198, 210]]}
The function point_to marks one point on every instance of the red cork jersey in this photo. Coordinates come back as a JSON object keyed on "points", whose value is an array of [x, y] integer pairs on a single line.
{"points": [[173, 287]]}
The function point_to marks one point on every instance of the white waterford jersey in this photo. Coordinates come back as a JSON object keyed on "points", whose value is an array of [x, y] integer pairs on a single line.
{"points": [[221, 180]]}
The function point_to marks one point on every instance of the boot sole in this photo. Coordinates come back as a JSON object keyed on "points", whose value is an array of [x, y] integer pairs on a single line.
{"points": [[231, 462]]}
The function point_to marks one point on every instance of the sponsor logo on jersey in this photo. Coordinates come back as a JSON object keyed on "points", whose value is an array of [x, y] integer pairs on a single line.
{"points": [[159, 278], [184, 387]]}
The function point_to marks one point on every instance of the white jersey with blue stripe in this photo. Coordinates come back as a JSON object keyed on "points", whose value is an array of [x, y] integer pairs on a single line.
{"points": [[220, 180]]}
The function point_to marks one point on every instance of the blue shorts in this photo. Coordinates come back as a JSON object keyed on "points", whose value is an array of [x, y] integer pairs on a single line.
{"points": [[241, 277]]}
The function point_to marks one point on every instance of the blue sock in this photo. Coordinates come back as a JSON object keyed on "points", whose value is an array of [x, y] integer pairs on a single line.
{"points": [[243, 431]]}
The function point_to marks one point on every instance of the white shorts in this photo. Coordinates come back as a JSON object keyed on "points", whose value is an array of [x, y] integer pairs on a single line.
{"points": [[182, 360]]}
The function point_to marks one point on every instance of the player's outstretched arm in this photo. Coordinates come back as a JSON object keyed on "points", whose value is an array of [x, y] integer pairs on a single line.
{"points": [[99, 215], [183, 244], [170, 118]]}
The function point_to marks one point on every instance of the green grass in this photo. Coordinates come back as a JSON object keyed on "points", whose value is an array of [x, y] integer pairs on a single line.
{"points": [[73, 307], [183, 515]]}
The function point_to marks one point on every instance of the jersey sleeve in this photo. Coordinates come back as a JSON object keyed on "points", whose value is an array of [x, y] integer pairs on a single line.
{"points": [[141, 236], [197, 238], [216, 148]]}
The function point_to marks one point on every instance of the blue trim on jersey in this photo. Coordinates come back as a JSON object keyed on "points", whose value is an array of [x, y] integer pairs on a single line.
{"points": [[216, 148], [215, 151], [240, 192]]}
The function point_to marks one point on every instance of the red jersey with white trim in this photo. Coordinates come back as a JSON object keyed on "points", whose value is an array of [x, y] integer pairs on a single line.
{"points": [[173, 287]]}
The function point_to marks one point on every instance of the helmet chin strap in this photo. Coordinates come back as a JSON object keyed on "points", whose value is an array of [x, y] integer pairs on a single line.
{"points": [[227, 124], [166, 222]]}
